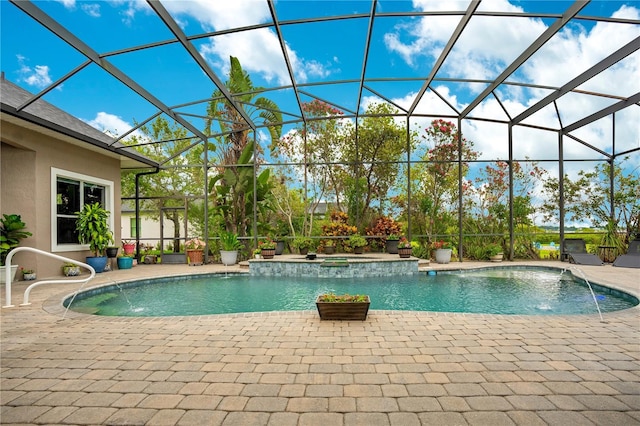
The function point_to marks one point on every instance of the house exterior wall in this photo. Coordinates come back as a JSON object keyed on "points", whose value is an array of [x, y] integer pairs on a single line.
{"points": [[26, 158], [149, 229]]}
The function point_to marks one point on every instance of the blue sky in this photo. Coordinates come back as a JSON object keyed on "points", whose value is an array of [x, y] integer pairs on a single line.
{"points": [[402, 47]]}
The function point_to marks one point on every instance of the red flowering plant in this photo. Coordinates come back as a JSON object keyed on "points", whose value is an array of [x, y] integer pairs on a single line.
{"points": [[267, 244], [441, 245], [404, 243]]}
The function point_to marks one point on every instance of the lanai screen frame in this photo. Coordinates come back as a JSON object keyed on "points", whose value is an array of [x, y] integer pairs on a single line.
{"points": [[186, 42]]}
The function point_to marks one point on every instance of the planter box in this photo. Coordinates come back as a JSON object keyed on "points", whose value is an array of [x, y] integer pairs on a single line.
{"points": [[174, 258], [343, 311]]}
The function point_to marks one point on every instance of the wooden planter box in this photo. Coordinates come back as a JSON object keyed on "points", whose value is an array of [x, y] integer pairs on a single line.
{"points": [[343, 311]]}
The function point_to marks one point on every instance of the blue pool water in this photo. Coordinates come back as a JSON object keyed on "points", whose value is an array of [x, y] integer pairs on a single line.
{"points": [[537, 291]]}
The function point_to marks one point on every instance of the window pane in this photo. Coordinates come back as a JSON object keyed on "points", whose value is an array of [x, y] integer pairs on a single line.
{"points": [[67, 233], [68, 196], [134, 230], [93, 193]]}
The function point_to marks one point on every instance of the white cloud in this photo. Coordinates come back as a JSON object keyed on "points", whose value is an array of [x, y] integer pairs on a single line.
{"points": [[69, 4], [569, 53], [38, 76], [259, 51], [112, 125], [92, 10]]}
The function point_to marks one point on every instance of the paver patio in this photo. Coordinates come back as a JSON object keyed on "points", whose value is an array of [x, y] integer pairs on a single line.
{"points": [[290, 368]]}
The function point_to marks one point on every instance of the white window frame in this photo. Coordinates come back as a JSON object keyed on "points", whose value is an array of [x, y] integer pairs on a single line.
{"points": [[108, 199]]}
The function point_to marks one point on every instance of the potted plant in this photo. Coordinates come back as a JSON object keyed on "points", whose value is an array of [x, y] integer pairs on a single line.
{"points": [[256, 253], [279, 245], [112, 252], [28, 274], [404, 247], [391, 243], [125, 261], [128, 246], [230, 246], [70, 269], [303, 244], [494, 252], [267, 248], [195, 251], [357, 243], [329, 246], [93, 229], [12, 230], [343, 307], [443, 251]]}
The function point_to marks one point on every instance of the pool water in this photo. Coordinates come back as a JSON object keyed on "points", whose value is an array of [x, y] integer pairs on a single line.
{"points": [[494, 291]]}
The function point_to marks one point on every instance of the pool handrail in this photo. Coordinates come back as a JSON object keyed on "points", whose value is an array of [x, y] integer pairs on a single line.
{"points": [[38, 283]]}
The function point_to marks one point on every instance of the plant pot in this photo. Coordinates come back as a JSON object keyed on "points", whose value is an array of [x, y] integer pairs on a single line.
{"points": [[279, 247], [268, 253], [14, 269], [443, 255], [304, 251], [195, 256], [125, 262], [358, 250], [71, 271], [497, 258], [392, 246], [129, 248], [329, 249], [112, 252], [29, 277], [405, 252], [98, 263], [229, 257], [343, 311]]}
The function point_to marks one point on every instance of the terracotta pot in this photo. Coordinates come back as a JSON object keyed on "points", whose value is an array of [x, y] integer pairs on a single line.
{"points": [[196, 256]]}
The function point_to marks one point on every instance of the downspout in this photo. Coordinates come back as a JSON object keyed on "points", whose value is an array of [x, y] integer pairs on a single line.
{"points": [[157, 170]]}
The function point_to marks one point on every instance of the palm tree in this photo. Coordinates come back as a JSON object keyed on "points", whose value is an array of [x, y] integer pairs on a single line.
{"points": [[235, 150]]}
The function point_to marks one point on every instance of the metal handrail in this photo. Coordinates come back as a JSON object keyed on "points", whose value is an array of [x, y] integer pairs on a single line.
{"points": [[36, 284]]}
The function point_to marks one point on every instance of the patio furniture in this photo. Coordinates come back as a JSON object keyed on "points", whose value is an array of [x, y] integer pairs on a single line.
{"points": [[575, 250], [632, 258]]}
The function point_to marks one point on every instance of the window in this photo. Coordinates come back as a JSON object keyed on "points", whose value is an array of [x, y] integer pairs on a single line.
{"points": [[70, 192], [134, 228]]}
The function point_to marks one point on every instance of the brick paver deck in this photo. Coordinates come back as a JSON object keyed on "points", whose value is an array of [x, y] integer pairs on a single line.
{"points": [[290, 368]]}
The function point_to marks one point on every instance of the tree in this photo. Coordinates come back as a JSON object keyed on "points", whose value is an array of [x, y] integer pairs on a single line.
{"points": [[317, 144], [233, 185], [587, 197], [374, 154], [180, 177], [434, 181]]}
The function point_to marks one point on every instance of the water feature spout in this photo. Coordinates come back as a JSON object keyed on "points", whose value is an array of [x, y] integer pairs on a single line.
{"points": [[595, 299]]}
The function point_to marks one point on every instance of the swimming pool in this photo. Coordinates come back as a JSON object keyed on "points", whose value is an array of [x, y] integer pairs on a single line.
{"points": [[505, 290]]}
